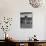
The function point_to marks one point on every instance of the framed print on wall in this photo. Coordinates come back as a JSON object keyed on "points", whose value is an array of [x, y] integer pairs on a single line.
{"points": [[26, 19]]}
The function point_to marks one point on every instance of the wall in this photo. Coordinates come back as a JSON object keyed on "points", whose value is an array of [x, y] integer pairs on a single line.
{"points": [[12, 8]]}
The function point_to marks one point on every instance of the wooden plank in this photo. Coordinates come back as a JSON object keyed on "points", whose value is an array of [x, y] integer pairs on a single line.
{"points": [[25, 44]]}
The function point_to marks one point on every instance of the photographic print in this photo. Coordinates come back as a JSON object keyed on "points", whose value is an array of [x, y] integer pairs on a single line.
{"points": [[26, 19]]}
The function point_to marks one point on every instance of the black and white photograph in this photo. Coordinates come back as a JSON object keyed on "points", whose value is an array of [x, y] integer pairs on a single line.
{"points": [[26, 19]]}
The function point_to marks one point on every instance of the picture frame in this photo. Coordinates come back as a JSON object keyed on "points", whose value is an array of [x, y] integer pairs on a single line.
{"points": [[26, 19]]}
